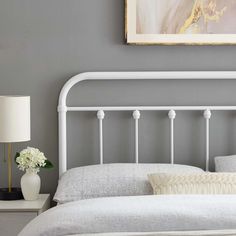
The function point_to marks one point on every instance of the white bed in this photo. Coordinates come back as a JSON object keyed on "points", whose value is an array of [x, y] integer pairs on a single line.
{"points": [[137, 214], [99, 200]]}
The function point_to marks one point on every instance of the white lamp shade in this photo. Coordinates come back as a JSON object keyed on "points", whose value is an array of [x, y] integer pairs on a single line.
{"points": [[14, 119]]}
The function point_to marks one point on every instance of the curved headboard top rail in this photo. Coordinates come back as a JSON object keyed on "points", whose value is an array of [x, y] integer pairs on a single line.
{"points": [[149, 75], [145, 75]]}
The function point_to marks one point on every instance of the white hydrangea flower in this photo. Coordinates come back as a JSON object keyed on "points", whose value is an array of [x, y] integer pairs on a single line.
{"points": [[31, 159]]}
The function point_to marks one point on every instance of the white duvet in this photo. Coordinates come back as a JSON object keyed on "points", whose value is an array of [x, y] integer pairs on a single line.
{"points": [[137, 214]]}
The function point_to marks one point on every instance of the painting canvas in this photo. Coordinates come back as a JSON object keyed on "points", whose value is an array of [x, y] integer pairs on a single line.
{"points": [[181, 22]]}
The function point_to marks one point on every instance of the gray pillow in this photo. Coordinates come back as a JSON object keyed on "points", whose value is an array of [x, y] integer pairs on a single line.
{"points": [[225, 163], [112, 180]]}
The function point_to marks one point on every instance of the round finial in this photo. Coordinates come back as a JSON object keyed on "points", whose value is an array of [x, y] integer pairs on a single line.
{"points": [[100, 114], [136, 115], [172, 114], [207, 114]]}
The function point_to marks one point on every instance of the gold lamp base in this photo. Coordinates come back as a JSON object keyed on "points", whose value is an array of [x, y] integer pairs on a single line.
{"points": [[10, 193]]}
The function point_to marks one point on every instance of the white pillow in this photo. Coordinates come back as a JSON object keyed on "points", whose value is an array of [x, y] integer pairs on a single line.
{"points": [[112, 180], [225, 163]]}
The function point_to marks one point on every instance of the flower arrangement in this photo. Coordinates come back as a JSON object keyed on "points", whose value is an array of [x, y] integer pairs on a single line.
{"points": [[31, 159]]}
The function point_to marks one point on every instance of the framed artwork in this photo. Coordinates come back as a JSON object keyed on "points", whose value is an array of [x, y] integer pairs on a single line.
{"points": [[187, 22]]}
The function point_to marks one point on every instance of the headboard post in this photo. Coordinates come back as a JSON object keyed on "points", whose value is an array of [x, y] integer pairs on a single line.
{"points": [[62, 140]]}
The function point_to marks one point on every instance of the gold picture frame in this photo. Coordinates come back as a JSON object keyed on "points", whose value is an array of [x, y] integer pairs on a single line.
{"points": [[136, 38]]}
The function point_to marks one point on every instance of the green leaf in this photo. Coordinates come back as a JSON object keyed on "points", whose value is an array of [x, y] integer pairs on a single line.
{"points": [[48, 165], [17, 155]]}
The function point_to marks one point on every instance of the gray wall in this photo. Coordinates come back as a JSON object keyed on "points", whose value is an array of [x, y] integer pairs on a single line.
{"points": [[43, 43]]}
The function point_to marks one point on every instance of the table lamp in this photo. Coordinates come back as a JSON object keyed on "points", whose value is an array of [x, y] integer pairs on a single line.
{"points": [[14, 127]]}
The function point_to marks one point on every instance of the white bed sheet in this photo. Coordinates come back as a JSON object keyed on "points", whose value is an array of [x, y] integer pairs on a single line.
{"points": [[137, 214], [179, 233]]}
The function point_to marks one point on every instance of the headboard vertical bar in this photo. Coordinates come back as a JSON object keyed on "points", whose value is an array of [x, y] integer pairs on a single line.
{"points": [[100, 116], [207, 116], [62, 140], [136, 116], [172, 116]]}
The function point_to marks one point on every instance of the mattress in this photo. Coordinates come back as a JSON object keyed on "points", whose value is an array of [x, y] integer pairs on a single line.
{"points": [[138, 214]]}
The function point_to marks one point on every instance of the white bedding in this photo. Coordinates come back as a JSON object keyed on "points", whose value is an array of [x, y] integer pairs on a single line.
{"points": [[229, 232], [137, 214], [112, 180]]}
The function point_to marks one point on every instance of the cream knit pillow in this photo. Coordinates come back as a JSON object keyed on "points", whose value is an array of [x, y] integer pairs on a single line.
{"points": [[202, 183]]}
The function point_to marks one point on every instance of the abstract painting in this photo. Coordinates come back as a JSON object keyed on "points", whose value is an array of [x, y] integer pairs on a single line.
{"points": [[209, 22]]}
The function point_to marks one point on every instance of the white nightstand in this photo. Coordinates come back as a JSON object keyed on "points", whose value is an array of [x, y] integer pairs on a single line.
{"points": [[14, 215]]}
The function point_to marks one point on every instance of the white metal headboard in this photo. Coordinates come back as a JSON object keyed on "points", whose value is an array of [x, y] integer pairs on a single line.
{"points": [[173, 75]]}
